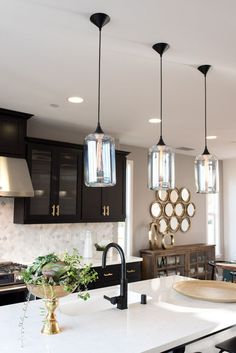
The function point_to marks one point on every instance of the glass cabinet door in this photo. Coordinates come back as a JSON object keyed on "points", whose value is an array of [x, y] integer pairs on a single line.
{"points": [[41, 161], [56, 174], [68, 183]]}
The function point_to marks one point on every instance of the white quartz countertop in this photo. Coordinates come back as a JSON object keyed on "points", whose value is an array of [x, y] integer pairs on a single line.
{"points": [[167, 320], [96, 261], [111, 260]]}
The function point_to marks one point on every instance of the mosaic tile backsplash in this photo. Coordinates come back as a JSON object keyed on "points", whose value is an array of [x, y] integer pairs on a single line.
{"points": [[22, 243]]}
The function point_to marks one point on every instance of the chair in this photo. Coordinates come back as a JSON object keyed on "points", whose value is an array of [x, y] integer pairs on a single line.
{"points": [[227, 275], [233, 274], [227, 346]]}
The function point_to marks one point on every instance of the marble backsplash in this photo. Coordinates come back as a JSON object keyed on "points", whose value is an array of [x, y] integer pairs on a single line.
{"points": [[22, 243]]}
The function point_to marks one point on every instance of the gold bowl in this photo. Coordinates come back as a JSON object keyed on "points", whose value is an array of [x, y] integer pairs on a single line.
{"points": [[50, 294]]}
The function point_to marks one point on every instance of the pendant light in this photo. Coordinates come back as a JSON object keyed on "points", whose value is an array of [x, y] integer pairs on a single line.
{"points": [[99, 149], [161, 158], [206, 165]]}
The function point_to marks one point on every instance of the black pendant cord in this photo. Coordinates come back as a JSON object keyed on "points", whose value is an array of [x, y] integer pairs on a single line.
{"points": [[204, 70], [99, 20], [206, 149], [161, 97], [99, 129], [160, 48]]}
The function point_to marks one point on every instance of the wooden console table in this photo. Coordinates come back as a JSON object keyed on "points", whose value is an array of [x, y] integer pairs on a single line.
{"points": [[185, 260]]}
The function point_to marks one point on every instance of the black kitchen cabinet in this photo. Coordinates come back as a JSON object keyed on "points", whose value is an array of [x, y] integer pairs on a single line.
{"points": [[107, 204], [56, 172], [12, 132], [13, 296], [106, 277], [111, 275]]}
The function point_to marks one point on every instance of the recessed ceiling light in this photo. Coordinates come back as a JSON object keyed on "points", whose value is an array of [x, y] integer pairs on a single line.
{"points": [[75, 99], [53, 105], [211, 137], [154, 121]]}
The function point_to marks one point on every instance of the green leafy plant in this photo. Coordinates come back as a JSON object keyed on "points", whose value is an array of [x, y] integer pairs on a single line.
{"points": [[66, 270]]}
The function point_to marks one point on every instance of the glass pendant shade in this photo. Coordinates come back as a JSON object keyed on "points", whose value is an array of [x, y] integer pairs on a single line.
{"points": [[161, 168], [206, 174], [99, 160]]}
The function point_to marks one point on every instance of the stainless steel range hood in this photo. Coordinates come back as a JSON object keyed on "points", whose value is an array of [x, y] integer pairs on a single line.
{"points": [[15, 178]]}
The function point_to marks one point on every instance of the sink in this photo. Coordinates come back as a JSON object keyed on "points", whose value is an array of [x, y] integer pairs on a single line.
{"points": [[95, 303]]}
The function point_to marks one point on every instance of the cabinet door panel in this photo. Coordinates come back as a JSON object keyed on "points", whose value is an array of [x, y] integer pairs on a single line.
{"points": [[69, 185], [113, 198], [91, 204], [41, 175], [133, 270]]}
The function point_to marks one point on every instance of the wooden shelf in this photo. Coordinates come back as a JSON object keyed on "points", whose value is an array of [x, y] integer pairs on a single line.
{"points": [[169, 267]]}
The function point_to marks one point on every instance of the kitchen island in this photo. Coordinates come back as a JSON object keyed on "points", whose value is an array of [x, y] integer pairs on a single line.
{"points": [[168, 320]]}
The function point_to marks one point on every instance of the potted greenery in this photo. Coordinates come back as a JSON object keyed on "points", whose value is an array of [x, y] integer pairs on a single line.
{"points": [[53, 276]]}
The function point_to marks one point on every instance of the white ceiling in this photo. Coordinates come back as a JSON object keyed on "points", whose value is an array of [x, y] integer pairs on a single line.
{"points": [[49, 52]]}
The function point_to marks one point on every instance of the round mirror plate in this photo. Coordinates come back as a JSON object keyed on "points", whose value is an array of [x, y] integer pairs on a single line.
{"points": [[191, 209], [174, 224], [185, 225], [169, 209], [185, 194], [162, 225], [179, 209], [155, 209], [174, 195], [162, 195]]}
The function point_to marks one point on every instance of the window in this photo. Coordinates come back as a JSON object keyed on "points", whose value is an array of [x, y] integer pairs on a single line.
{"points": [[125, 228], [213, 222]]}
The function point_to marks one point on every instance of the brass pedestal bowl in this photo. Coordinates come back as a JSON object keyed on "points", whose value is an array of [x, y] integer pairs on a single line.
{"points": [[50, 294]]}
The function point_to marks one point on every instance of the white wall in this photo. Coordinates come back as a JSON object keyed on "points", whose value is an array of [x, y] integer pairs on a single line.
{"points": [[229, 205], [143, 197]]}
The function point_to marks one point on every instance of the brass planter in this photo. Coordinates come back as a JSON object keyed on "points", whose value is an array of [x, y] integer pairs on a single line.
{"points": [[50, 294]]}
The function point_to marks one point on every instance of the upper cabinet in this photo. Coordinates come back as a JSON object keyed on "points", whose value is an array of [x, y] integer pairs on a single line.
{"points": [[60, 194], [106, 204], [12, 132], [56, 172]]}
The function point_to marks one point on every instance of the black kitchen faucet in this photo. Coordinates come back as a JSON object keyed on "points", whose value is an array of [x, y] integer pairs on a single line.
{"points": [[122, 299]]}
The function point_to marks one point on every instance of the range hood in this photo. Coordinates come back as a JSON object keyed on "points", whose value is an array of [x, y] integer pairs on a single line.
{"points": [[15, 178]]}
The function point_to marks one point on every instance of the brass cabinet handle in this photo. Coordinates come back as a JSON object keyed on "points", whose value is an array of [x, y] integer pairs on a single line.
{"points": [[104, 210], [53, 210], [108, 211], [108, 274], [131, 270], [58, 210]]}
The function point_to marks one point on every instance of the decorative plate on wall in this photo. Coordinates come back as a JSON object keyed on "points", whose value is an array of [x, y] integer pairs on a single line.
{"points": [[190, 209], [162, 195], [185, 195], [179, 209], [169, 209], [163, 225], [156, 209], [185, 224], [174, 195], [174, 224]]}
